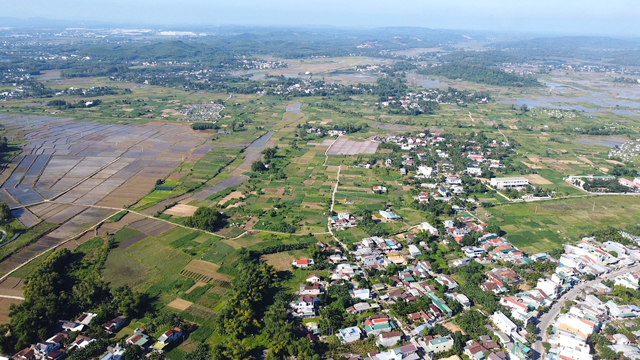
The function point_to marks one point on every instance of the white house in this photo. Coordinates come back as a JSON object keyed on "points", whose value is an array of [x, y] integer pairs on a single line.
{"points": [[389, 339], [474, 171], [502, 322], [424, 171], [362, 294], [414, 251], [427, 227], [440, 344], [453, 180], [303, 263], [548, 287], [313, 278], [168, 337], [349, 335]]}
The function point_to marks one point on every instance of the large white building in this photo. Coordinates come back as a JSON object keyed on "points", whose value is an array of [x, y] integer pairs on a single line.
{"points": [[509, 182], [502, 322]]}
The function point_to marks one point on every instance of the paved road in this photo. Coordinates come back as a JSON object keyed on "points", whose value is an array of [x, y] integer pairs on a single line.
{"points": [[547, 319]]}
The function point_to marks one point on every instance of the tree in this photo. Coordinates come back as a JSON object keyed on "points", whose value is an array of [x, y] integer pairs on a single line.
{"points": [[200, 353], [258, 166], [206, 219], [269, 153], [494, 228], [5, 213]]}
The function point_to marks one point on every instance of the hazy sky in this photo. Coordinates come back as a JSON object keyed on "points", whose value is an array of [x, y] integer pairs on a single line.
{"points": [[565, 16]]}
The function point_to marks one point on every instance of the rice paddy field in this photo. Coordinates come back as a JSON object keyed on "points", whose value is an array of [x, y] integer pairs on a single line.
{"points": [[542, 226]]}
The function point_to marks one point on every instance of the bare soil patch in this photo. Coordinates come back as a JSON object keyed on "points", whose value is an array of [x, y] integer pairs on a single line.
{"points": [[587, 161], [308, 182], [574, 162], [11, 286], [615, 162], [453, 327], [195, 286], [176, 176], [533, 166], [181, 210], [233, 195], [180, 304], [251, 223], [537, 179], [5, 304], [281, 261], [535, 158], [170, 112], [206, 269]]}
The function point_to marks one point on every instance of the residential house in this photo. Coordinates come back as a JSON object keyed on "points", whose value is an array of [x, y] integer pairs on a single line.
{"points": [[441, 344], [313, 278], [303, 263], [389, 339], [115, 324], [389, 215], [362, 294], [167, 338], [43, 349], [304, 306], [414, 251], [379, 189], [349, 335], [447, 281], [428, 227], [139, 338], [314, 289], [503, 323], [25, 354], [474, 350], [377, 324]]}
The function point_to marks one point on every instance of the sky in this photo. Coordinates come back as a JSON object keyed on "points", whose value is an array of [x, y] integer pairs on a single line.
{"points": [[588, 17]]}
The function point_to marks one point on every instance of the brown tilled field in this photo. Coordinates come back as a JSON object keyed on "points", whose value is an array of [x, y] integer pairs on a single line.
{"points": [[233, 195], [180, 304], [206, 269], [181, 210], [281, 261], [5, 304], [536, 179]]}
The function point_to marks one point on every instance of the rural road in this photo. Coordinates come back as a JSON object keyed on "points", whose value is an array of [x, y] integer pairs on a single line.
{"points": [[547, 318]]}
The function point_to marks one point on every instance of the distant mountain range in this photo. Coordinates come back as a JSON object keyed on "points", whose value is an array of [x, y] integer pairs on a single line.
{"points": [[572, 42]]}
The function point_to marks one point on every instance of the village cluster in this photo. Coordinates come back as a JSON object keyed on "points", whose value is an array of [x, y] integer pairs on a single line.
{"points": [[526, 306], [72, 337], [629, 151], [415, 101], [202, 112], [586, 273]]}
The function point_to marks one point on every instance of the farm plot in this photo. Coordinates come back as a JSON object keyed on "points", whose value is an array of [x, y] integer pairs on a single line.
{"points": [[151, 226], [344, 146], [181, 210], [206, 272], [537, 227], [90, 163], [180, 304], [73, 227], [536, 179], [5, 305]]}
